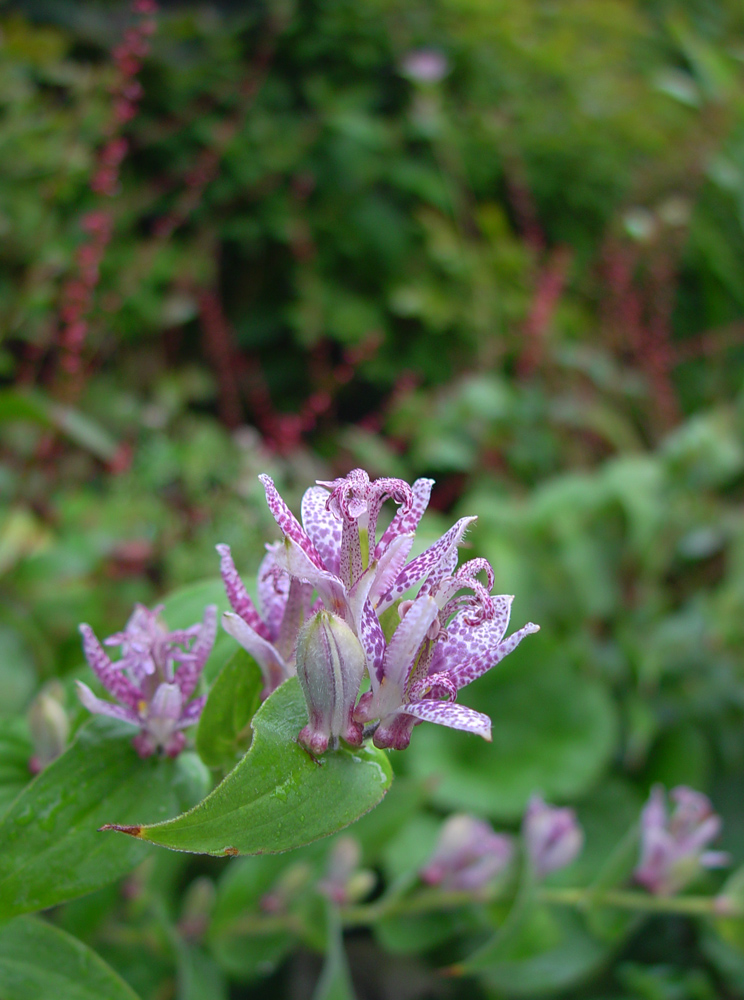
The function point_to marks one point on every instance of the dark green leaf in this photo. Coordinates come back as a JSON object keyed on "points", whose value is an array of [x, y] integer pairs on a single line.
{"points": [[335, 980], [278, 797], [38, 961], [15, 753], [225, 731], [50, 849]]}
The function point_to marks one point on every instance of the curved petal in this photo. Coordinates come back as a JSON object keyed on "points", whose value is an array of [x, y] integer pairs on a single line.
{"points": [[288, 523], [100, 707], [484, 659], [111, 676], [273, 591], [432, 564], [448, 713], [273, 667], [406, 521], [468, 643]]}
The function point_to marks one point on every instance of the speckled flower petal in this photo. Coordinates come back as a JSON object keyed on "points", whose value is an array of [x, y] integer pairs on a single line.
{"points": [[322, 526], [112, 678], [428, 563], [406, 521], [401, 653], [448, 713], [484, 659], [191, 666], [288, 523], [466, 642], [237, 595], [273, 590]]}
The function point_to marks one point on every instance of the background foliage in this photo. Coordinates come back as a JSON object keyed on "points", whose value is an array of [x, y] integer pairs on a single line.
{"points": [[523, 280]]}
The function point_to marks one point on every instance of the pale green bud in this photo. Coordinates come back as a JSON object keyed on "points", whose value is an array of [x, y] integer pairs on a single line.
{"points": [[330, 666]]}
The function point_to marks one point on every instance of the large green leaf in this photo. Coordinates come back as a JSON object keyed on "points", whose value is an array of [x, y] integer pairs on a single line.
{"points": [[50, 849], [278, 797], [225, 731], [553, 732], [38, 961], [15, 753]]}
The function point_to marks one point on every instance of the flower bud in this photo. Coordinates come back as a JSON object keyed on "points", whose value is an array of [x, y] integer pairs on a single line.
{"points": [[468, 855], [330, 666], [553, 837], [48, 724]]}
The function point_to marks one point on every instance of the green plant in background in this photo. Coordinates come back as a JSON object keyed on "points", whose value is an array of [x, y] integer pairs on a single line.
{"points": [[491, 246]]}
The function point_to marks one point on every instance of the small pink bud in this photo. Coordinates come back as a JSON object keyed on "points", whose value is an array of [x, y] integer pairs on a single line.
{"points": [[552, 836]]}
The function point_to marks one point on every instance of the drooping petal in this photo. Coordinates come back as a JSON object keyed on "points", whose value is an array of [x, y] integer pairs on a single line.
{"points": [[406, 520], [485, 659], [100, 707], [273, 667], [112, 678], [448, 713], [237, 595], [322, 526], [428, 564], [288, 523], [188, 674]]}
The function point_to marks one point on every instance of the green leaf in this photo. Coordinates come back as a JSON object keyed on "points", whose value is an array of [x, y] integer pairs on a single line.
{"points": [[278, 797], [552, 731], [50, 849], [38, 961], [225, 731], [199, 977], [15, 753]]}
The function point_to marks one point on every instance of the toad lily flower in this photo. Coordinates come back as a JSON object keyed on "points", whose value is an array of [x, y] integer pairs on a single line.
{"points": [[154, 678], [468, 855], [552, 836], [672, 849], [429, 658]]}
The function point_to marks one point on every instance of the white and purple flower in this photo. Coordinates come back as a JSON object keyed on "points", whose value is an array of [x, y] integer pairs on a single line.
{"points": [[673, 847], [153, 679], [469, 854], [450, 633], [552, 836]]}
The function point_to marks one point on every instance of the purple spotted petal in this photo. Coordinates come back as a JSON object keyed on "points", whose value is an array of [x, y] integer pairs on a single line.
{"points": [[288, 523], [237, 595], [428, 564], [372, 640], [101, 707], [273, 667], [190, 669], [448, 713], [350, 566], [406, 521], [323, 527], [296, 610], [483, 659], [466, 642], [273, 590], [116, 682]]}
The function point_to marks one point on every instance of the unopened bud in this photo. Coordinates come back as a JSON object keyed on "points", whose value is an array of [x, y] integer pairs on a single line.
{"points": [[330, 666], [553, 837], [49, 725]]}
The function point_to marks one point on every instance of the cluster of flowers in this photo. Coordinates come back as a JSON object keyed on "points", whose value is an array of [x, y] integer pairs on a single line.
{"points": [[470, 854], [333, 609]]}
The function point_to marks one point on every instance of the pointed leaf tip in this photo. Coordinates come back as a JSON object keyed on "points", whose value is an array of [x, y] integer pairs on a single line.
{"points": [[133, 831]]}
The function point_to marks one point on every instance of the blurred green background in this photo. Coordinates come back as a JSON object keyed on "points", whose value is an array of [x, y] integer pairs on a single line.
{"points": [[499, 244]]}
